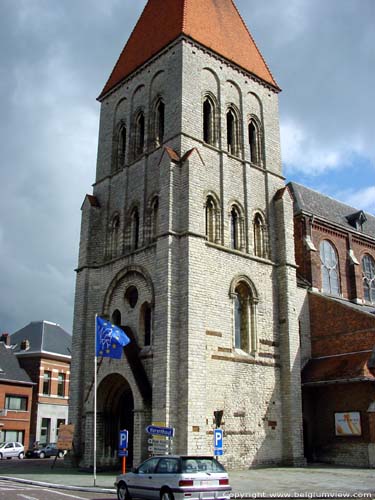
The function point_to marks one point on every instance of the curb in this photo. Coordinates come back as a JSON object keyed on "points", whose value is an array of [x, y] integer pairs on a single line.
{"points": [[89, 489]]}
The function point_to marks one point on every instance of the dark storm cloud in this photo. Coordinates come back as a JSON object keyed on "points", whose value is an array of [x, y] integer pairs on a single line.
{"points": [[56, 56]]}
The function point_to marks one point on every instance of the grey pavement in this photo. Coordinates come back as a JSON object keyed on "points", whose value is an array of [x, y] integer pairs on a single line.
{"points": [[318, 481]]}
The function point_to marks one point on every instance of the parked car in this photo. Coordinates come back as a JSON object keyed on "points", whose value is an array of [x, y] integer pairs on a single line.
{"points": [[45, 451], [175, 477], [9, 449]]}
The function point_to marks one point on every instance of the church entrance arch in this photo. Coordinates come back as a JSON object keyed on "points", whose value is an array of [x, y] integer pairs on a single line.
{"points": [[115, 412]]}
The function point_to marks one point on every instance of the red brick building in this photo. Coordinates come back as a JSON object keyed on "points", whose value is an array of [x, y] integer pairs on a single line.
{"points": [[43, 350], [15, 397], [335, 254]]}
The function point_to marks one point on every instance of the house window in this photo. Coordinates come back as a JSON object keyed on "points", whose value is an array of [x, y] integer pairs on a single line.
{"points": [[121, 146], [159, 122], [47, 382], [134, 228], [16, 403], [45, 431], [245, 334], [368, 271], [254, 143], [139, 134], [14, 436], [236, 228], [61, 384], [330, 268], [208, 121], [259, 236], [232, 132]]}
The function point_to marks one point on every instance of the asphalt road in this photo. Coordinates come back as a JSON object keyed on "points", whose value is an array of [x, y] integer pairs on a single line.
{"points": [[14, 491]]}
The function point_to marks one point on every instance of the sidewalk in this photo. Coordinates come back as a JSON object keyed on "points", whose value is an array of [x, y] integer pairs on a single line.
{"points": [[276, 482]]}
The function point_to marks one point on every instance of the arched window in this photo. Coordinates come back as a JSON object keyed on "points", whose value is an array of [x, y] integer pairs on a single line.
{"points": [[330, 268], [254, 143], [159, 122], [114, 236], [139, 133], [146, 323], [209, 133], [134, 227], [210, 219], [116, 318], [245, 331], [260, 243], [154, 219], [121, 151], [236, 228], [368, 272], [232, 132]]}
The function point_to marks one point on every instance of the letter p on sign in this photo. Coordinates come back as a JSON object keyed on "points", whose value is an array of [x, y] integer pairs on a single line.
{"points": [[218, 439]]}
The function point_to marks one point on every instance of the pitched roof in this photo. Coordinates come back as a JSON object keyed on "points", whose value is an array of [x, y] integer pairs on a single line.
{"points": [[215, 24], [343, 367], [44, 337], [320, 205], [9, 367]]}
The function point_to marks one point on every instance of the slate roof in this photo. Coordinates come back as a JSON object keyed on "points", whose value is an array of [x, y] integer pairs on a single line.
{"points": [[320, 205], [9, 367], [215, 24], [44, 337]]}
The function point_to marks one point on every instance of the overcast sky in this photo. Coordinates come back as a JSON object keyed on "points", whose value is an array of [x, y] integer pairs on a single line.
{"points": [[56, 56]]}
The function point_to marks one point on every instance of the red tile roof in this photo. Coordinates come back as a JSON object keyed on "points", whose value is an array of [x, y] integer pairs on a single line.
{"points": [[339, 368], [215, 24]]}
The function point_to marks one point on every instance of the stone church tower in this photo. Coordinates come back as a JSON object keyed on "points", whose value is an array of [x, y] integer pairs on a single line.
{"points": [[187, 243]]}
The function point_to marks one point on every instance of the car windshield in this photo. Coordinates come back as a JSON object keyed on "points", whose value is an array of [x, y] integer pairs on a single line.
{"points": [[203, 464]]}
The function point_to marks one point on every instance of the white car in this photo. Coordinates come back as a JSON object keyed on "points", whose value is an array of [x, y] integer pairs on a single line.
{"points": [[10, 449], [175, 477]]}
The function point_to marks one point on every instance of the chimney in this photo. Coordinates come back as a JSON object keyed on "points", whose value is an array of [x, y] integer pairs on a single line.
{"points": [[5, 337], [25, 344]]}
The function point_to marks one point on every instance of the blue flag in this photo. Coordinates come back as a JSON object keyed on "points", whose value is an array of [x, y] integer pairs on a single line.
{"points": [[110, 339]]}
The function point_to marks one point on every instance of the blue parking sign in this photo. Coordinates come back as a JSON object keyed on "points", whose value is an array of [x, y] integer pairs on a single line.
{"points": [[218, 442], [123, 441]]}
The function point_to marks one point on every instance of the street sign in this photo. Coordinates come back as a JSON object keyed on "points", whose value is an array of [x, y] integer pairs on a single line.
{"points": [[218, 442], [123, 453], [155, 430], [123, 441]]}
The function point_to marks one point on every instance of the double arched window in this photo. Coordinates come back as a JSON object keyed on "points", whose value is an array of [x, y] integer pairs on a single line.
{"points": [[245, 327], [330, 268], [368, 276], [232, 131]]}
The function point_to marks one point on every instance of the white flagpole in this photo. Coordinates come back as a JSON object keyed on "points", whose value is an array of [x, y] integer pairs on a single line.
{"points": [[95, 402]]}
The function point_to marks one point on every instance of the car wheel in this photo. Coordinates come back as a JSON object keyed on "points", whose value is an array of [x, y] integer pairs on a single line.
{"points": [[42, 454], [21, 455], [60, 454], [123, 492], [166, 495]]}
